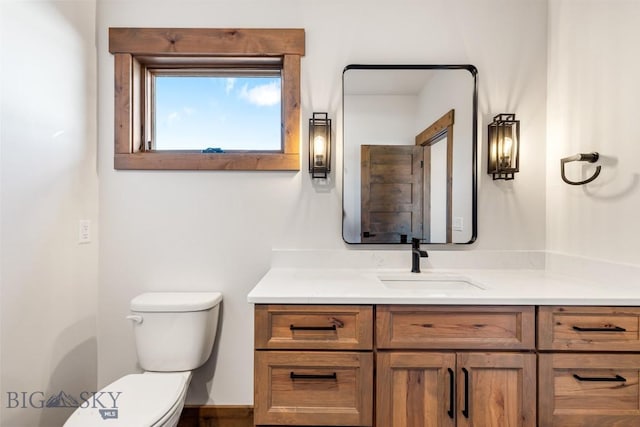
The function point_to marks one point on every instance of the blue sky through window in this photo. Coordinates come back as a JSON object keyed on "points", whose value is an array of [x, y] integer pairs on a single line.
{"points": [[232, 113]]}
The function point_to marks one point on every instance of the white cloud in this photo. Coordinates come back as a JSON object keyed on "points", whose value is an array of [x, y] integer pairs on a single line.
{"points": [[264, 95], [173, 116], [176, 116], [231, 82]]}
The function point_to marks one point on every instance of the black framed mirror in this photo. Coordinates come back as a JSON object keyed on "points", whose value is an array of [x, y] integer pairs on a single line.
{"points": [[409, 154]]}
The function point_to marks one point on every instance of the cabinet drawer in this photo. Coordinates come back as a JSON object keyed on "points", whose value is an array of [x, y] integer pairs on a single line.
{"points": [[586, 389], [455, 327], [314, 327], [588, 328], [313, 388]]}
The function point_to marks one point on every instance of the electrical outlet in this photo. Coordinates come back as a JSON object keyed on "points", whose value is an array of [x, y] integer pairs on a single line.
{"points": [[458, 224], [84, 231]]}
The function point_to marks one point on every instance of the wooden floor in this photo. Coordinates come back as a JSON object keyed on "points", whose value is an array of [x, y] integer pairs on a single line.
{"points": [[216, 416]]}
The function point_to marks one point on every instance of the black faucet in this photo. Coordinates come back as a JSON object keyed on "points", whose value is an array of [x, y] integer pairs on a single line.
{"points": [[416, 254]]}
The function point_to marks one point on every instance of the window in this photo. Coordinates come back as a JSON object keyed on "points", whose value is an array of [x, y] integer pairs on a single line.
{"points": [[214, 112], [178, 90]]}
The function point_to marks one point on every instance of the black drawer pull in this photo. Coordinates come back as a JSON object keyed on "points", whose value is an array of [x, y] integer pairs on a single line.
{"points": [[465, 410], [452, 392], [295, 376], [605, 329], [617, 378], [312, 328]]}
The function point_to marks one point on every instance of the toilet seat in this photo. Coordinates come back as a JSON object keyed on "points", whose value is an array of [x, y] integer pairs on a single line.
{"points": [[151, 399], [171, 418]]}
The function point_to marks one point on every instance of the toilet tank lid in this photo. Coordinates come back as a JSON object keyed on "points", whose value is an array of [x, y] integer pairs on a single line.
{"points": [[175, 301]]}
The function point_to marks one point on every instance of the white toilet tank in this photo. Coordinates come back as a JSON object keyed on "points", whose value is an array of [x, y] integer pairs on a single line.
{"points": [[174, 331]]}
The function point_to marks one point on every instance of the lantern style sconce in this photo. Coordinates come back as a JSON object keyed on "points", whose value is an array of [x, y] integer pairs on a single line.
{"points": [[504, 146], [319, 145]]}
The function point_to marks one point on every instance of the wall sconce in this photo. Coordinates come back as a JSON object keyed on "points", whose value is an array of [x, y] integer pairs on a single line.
{"points": [[504, 146], [319, 145]]}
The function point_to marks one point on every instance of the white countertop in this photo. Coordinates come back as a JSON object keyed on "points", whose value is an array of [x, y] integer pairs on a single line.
{"points": [[488, 287]]}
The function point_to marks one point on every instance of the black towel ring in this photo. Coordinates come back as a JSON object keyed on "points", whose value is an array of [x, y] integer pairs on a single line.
{"points": [[582, 157]]}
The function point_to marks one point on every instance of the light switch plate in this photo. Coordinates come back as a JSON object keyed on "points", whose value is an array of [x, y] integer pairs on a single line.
{"points": [[84, 231]]}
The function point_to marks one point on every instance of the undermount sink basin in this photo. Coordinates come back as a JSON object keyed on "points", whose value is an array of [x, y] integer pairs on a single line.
{"points": [[429, 282]]}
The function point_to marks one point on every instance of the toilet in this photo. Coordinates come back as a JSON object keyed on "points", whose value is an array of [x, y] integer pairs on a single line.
{"points": [[174, 334]]}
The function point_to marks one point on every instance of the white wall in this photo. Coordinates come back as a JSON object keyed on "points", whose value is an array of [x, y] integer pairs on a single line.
{"points": [[593, 88], [49, 183], [216, 230]]}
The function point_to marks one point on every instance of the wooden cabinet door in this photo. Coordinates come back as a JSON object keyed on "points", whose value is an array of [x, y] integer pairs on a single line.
{"points": [[313, 388], [313, 327], [455, 327], [589, 390], [496, 390], [415, 389], [607, 329]]}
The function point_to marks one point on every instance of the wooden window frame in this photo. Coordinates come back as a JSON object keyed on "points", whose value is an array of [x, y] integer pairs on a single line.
{"points": [[134, 48]]}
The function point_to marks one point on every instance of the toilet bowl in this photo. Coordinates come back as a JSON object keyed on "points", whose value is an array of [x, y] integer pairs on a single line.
{"points": [[174, 334]]}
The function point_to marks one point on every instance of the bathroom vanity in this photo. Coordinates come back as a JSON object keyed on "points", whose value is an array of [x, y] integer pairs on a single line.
{"points": [[518, 348], [485, 348]]}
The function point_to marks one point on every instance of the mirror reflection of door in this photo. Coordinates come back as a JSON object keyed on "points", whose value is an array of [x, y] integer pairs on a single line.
{"points": [[407, 190], [437, 140], [391, 194]]}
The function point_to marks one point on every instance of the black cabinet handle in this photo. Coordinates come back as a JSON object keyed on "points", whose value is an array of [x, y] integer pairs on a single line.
{"points": [[452, 398], [465, 410], [617, 378], [312, 328], [604, 329], [295, 376]]}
